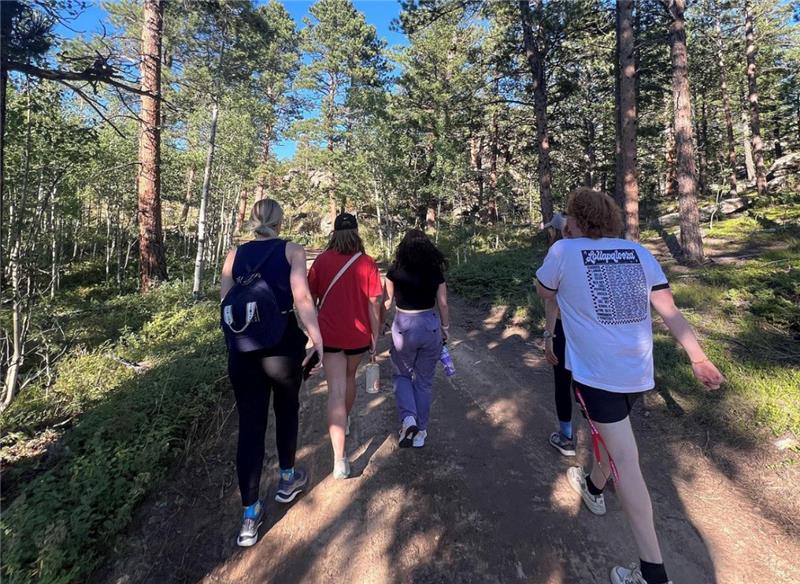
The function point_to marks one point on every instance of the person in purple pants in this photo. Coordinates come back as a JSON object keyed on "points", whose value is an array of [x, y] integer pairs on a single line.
{"points": [[415, 283]]}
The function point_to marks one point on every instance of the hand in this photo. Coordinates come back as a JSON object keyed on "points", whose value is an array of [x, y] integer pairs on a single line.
{"points": [[549, 355], [708, 374], [445, 334], [309, 353]]}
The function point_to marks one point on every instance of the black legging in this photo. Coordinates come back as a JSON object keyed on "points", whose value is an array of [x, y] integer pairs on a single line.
{"points": [[254, 377], [563, 377]]}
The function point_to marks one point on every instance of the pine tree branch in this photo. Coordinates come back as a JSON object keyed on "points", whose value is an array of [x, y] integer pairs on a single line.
{"points": [[61, 75]]}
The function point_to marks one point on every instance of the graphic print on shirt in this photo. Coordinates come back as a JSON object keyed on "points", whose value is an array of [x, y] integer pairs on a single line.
{"points": [[618, 285]]}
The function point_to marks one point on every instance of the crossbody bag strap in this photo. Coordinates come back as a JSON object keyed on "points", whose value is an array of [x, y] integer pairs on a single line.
{"points": [[338, 275]]}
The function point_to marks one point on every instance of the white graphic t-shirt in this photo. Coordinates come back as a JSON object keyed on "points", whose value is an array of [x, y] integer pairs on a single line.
{"points": [[604, 290]]}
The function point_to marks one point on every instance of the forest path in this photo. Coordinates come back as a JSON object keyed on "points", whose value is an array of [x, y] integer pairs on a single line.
{"points": [[486, 500]]}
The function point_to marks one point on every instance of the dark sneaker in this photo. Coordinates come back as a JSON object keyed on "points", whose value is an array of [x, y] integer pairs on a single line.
{"points": [[577, 480], [248, 532], [288, 490], [564, 445], [408, 432]]}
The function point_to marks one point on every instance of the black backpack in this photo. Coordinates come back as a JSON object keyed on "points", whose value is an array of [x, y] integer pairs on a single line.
{"points": [[250, 315]]}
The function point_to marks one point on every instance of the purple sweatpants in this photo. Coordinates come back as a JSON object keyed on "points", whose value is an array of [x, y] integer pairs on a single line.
{"points": [[416, 347]]}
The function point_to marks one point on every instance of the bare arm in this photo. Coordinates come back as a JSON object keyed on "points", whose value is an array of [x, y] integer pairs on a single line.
{"points": [[704, 370], [302, 294], [550, 316], [444, 310], [226, 279], [545, 293], [375, 309], [388, 294]]}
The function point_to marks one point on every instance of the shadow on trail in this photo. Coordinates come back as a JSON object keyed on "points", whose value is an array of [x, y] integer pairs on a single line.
{"points": [[486, 500]]}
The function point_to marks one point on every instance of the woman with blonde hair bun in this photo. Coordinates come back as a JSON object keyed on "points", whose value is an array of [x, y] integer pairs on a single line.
{"points": [[277, 369]]}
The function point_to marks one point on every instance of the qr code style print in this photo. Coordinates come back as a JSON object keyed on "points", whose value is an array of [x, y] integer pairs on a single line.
{"points": [[618, 286]]}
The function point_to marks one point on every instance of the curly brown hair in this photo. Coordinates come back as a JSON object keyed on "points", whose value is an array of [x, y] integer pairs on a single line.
{"points": [[595, 212]]}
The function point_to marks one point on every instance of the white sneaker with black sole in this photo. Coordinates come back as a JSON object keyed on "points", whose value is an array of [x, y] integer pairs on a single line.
{"points": [[577, 480], [632, 575], [408, 431]]}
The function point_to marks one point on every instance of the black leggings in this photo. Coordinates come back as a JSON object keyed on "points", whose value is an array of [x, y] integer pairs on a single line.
{"points": [[254, 377], [562, 376]]}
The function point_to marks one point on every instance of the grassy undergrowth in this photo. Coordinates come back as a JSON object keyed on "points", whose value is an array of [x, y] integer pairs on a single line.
{"points": [[746, 310], [142, 374]]}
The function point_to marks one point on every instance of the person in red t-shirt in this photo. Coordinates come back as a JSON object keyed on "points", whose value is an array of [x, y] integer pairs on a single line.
{"points": [[348, 318]]}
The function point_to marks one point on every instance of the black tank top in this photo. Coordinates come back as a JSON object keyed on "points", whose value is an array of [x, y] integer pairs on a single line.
{"points": [[276, 272]]}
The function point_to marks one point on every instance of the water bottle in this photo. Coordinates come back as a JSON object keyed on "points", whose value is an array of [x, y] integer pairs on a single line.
{"points": [[373, 378], [447, 361]]}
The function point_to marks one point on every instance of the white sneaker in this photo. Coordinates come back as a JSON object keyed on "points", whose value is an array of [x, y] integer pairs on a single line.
{"points": [[577, 480], [419, 439], [632, 575], [347, 427], [408, 431], [341, 468]]}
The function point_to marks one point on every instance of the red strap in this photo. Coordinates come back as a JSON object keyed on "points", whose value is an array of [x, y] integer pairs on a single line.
{"points": [[597, 439]]}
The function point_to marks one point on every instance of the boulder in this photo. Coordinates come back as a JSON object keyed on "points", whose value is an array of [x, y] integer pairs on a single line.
{"points": [[787, 165], [725, 207]]}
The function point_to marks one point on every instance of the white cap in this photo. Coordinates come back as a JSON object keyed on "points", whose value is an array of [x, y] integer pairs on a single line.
{"points": [[557, 222]]}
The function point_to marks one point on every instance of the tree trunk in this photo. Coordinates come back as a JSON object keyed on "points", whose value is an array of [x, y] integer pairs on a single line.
{"points": [[3, 85], [187, 200], [476, 163], [777, 148], [589, 153], [749, 163], [703, 147], [690, 240], [261, 184], [752, 98], [152, 261], [493, 153], [536, 62], [201, 219], [726, 106], [242, 209], [627, 118]]}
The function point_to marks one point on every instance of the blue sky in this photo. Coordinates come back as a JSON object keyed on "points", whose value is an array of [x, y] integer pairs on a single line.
{"points": [[378, 13]]}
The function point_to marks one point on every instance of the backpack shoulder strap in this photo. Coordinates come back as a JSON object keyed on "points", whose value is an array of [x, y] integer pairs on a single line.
{"points": [[263, 261], [336, 278]]}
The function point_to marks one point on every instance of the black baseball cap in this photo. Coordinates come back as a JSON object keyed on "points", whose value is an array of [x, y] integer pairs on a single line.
{"points": [[345, 221]]}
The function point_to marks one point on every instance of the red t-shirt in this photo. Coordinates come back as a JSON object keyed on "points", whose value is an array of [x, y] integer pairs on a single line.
{"points": [[344, 318]]}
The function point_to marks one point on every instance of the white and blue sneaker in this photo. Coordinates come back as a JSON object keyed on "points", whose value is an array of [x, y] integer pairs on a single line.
{"points": [[419, 439], [248, 532], [289, 489]]}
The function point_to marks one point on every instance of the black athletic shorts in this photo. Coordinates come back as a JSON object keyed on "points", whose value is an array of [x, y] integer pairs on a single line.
{"points": [[346, 351], [606, 407]]}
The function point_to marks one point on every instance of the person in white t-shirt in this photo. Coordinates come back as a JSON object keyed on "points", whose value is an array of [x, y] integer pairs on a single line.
{"points": [[604, 287]]}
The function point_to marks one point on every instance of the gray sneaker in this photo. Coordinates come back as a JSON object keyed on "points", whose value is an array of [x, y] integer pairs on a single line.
{"points": [[632, 575], [561, 443], [288, 490], [248, 532], [341, 468], [577, 480]]}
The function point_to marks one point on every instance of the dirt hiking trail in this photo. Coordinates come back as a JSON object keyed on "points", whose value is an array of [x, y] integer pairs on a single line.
{"points": [[486, 500]]}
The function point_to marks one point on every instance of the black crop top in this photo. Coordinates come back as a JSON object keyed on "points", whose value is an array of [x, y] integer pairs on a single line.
{"points": [[415, 291]]}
